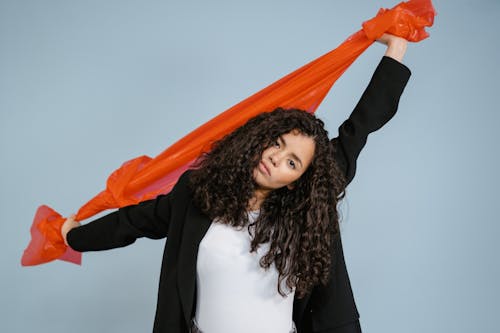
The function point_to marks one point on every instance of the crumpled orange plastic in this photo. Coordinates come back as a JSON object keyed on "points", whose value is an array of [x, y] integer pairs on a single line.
{"points": [[144, 177]]}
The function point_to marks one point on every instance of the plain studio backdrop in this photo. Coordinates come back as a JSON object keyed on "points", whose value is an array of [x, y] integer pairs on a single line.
{"points": [[87, 85]]}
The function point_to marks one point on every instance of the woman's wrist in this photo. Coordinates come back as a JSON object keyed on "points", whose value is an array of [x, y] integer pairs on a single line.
{"points": [[67, 226], [396, 48]]}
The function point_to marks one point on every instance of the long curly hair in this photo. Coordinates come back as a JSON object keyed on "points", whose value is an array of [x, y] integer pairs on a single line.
{"points": [[299, 224]]}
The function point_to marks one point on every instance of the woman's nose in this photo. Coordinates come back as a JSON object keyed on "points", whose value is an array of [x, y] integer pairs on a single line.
{"points": [[274, 158], [271, 159]]}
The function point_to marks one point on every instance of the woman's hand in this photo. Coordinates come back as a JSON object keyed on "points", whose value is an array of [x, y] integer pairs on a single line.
{"points": [[69, 224], [396, 46]]}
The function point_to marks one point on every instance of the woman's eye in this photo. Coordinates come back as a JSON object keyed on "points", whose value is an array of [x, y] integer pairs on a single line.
{"points": [[277, 144], [292, 164]]}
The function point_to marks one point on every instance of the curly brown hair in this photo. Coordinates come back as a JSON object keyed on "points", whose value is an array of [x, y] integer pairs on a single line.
{"points": [[300, 224]]}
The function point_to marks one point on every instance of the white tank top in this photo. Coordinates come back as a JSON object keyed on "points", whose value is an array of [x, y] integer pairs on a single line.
{"points": [[235, 294]]}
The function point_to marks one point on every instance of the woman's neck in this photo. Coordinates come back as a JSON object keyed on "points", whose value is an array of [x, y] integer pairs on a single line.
{"points": [[258, 198]]}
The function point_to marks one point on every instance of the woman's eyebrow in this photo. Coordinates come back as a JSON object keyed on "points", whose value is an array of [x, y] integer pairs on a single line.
{"points": [[294, 156]]}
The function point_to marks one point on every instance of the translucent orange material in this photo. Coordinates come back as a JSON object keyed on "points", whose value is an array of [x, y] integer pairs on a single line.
{"points": [[144, 178]]}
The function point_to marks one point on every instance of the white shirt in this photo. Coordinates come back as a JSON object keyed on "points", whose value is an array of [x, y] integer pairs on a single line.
{"points": [[234, 293]]}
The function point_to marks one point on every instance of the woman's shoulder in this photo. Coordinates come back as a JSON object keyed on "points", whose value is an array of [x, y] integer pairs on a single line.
{"points": [[183, 183]]}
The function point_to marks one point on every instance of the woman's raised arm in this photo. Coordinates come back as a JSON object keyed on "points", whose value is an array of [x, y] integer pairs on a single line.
{"points": [[376, 107]]}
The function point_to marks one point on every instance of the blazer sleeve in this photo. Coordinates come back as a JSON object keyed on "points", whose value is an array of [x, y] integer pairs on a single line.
{"points": [[377, 106], [121, 228]]}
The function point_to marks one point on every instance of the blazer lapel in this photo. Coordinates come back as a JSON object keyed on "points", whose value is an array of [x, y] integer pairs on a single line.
{"points": [[195, 227]]}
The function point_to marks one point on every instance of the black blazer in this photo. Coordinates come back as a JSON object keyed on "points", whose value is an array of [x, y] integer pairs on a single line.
{"points": [[329, 309]]}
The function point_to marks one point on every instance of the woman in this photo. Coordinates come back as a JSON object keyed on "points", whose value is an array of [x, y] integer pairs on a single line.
{"points": [[253, 238]]}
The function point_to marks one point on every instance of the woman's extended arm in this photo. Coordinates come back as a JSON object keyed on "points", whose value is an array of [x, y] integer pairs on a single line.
{"points": [[147, 219], [120, 228], [376, 107], [332, 307]]}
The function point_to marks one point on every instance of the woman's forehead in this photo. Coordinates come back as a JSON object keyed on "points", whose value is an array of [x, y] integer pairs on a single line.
{"points": [[300, 144]]}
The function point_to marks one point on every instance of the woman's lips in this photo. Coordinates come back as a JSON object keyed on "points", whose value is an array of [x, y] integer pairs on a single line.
{"points": [[263, 167]]}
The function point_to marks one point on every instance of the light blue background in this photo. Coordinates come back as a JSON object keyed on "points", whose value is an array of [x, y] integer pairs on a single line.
{"points": [[86, 85]]}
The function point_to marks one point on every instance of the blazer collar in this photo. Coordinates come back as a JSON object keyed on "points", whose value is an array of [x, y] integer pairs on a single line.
{"points": [[196, 225]]}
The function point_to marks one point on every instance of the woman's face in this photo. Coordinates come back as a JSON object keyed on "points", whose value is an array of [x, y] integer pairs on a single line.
{"points": [[284, 161]]}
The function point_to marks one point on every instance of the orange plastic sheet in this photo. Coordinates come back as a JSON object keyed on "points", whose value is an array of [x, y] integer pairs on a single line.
{"points": [[144, 178]]}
